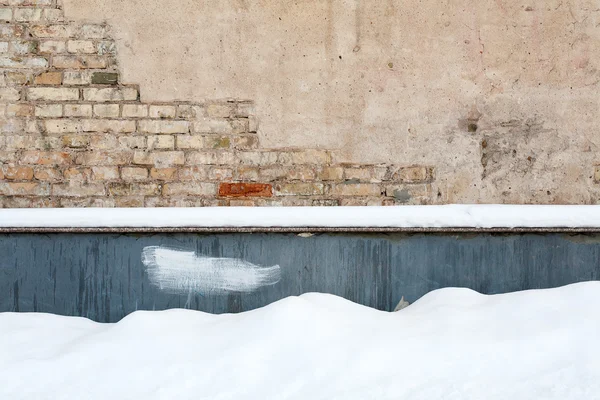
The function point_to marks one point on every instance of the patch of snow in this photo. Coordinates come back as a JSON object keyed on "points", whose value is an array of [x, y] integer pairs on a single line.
{"points": [[455, 216], [451, 344]]}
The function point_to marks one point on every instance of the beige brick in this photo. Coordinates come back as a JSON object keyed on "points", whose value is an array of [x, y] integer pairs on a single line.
{"points": [[3, 49], [220, 174], [597, 174], [45, 158], [81, 46], [132, 142], [110, 94], [217, 142], [5, 14], [92, 31], [408, 194], [258, 157], [104, 158], [104, 142], [77, 174], [129, 201], [19, 110], [356, 189], [190, 189], [24, 189], [62, 126], [73, 202], [49, 110], [413, 174], [48, 78], [18, 173], [75, 141], [245, 173], [106, 110], [165, 174], [193, 173], [77, 78], [76, 189], [53, 31], [160, 142], [190, 142], [308, 156], [191, 111], [16, 78], [108, 125], [331, 173], [162, 111], [52, 94], [24, 47], [273, 172], [165, 127], [302, 173], [299, 189], [28, 3], [52, 47], [245, 142], [79, 62], [134, 174], [48, 174], [135, 110], [244, 110], [9, 94], [27, 14], [78, 110], [159, 158], [53, 15], [134, 189], [105, 173], [32, 142], [211, 158], [220, 110], [222, 126]]}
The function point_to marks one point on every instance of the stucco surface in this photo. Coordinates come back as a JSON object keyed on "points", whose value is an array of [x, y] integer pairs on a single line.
{"points": [[501, 96]]}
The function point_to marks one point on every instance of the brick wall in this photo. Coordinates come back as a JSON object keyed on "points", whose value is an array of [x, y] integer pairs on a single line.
{"points": [[73, 135]]}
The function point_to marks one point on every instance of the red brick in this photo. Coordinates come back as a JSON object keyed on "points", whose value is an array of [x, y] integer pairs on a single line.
{"points": [[245, 190]]}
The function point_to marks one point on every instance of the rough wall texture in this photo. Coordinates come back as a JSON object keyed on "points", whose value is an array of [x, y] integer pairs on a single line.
{"points": [[391, 102], [72, 135]]}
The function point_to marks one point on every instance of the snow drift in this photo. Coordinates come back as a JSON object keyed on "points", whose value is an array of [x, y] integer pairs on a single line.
{"points": [[451, 344]]}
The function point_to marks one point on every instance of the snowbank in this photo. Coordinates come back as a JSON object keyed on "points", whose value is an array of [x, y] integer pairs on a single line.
{"points": [[455, 216], [451, 344]]}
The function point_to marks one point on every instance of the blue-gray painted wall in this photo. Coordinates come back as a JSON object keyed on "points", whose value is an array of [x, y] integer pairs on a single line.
{"points": [[101, 276]]}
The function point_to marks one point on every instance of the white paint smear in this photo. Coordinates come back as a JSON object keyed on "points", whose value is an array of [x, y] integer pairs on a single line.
{"points": [[183, 271]]}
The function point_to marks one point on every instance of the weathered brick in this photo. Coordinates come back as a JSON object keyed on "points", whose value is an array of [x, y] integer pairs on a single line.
{"points": [[245, 173], [75, 141], [165, 127], [134, 174], [163, 174], [19, 110], [3, 49], [258, 157], [104, 158], [105, 173], [18, 173], [24, 189], [413, 174], [62, 125], [189, 189], [211, 158], [244, 110], [92, 31], [220, 174], [160, 142], [356, 189], [45, 158], [78, 110], [47, 174], [245, 190], [25, 47], [72, 202], [162, 111], [16, 78], [190, 111], [159, 158], [302, 173], [105, 78], [27, 14], [52, 94], [103, 95], [108, 125], [79, 62], [52, 46], [9, 94], [81, 46], [220, 125], [244, 142], [11, 31], [48, 78], [129, 201], [134, 189], [11, 125], [77, 189], [217, 142], [23, 62], [135, 110], [190, 142], [53, 31], [32, 142], [53, 15], [193, 173], [220, 110], [331, 173], [49, 110], [5, 14], [597, 174], [408, 194], [106, 110], [299, 189], [77, 78], [77, 174]]}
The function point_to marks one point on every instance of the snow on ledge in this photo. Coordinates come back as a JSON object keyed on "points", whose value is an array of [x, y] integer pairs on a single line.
{"points": [[448, 216]]}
